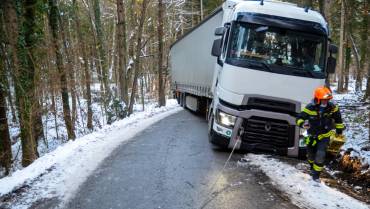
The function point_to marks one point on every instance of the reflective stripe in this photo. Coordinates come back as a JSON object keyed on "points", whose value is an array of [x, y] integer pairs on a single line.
{"points": [[317, 168], [299, 122], [314, 142], [310, 161], [336, 108], [326, 135], [339, 126], [307, 140], [310, 112]]}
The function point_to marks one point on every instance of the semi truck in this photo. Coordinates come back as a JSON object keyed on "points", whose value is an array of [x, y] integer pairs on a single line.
{"points": [[252, 66]]}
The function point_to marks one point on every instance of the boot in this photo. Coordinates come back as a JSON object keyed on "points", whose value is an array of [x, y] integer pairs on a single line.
{"points": [[311, 166], [315, 176]]}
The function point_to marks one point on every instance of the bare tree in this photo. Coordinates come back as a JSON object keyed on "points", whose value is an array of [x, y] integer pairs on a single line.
{"points": [[161, 87], [144, 5], [53, 22]]}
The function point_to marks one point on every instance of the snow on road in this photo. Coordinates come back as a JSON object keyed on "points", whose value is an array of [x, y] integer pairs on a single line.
{"points": [[59, 173], [302, 191]]}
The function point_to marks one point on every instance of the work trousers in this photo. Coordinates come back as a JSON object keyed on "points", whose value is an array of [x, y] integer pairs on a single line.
{"points": [[316, 154]]}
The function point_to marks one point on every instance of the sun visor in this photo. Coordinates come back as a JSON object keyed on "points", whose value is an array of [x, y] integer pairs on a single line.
{"points": [[283, 22]]}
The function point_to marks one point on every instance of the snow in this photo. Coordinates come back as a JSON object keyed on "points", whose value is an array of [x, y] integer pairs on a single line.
{"points": [[60, 172], [355, 117], [302, 191]]}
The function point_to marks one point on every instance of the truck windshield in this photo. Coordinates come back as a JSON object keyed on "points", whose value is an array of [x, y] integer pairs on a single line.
{"points": [[278, 50]]}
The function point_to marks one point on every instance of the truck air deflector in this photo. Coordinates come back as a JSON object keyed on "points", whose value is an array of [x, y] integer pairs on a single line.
{"points": [[268, 103], [283, 22]]}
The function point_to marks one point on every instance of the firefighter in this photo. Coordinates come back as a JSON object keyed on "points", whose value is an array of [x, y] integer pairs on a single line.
{"points": [[320, 118]]}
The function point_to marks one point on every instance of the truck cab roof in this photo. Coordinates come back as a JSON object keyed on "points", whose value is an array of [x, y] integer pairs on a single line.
{"points": [[272, 8]]}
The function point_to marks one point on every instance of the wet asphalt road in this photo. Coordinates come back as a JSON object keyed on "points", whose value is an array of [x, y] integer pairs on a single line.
{"points": [[171, 165]]}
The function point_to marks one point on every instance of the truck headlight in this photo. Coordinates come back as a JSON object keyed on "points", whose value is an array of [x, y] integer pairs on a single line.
{"points": [[225, 119]]}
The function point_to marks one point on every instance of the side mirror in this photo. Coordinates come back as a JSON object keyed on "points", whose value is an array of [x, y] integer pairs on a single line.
{"points": [[216, 48], [219, 31], [331, 64], [333, 49]]}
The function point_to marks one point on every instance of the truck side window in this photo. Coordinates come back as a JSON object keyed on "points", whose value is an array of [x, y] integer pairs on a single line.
{"points": [[224, 43]]}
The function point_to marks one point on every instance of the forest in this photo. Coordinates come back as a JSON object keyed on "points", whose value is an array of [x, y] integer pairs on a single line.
{"points": [[69, 67]]}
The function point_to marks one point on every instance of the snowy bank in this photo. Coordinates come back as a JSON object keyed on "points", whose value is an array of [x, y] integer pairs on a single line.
{"points": [[302, 191], [60, 172]]}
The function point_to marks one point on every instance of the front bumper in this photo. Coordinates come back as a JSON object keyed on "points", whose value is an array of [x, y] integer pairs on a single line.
{"points": [[268, 141]]}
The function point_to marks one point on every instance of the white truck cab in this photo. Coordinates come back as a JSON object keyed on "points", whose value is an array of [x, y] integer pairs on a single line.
{"points": [[268, 57]]}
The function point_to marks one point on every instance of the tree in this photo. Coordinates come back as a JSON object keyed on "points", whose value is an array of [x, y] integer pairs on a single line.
{"points": [[161, 88], [144, 5], [122, 50], [53, 22], [103, 63], [341, 50], [364, 63], [82, 49], [5, 144]]}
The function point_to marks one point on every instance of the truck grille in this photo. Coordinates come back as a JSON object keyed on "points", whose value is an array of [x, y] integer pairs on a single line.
{"points": [[271, 105], [267, 132]]}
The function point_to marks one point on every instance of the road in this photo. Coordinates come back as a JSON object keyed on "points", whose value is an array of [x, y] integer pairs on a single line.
{"points": [[171, 165]]}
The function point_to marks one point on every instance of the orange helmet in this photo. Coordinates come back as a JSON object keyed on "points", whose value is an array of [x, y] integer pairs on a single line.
{"points": [[322, 92]]}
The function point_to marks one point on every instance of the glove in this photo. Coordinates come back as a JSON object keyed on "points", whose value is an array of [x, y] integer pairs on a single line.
{"points": [[310, 141]]}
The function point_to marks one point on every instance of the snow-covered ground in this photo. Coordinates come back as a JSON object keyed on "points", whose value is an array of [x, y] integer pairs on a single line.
{"points": [[55, 133], [355, 114], [302, 191], [60, 172], [65, 165]]}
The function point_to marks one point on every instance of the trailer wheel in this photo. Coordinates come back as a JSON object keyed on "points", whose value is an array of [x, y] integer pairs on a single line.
{"points": [[178, 98], [182, 99]]}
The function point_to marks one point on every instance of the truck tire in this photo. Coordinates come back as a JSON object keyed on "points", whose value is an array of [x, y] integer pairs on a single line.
{"points": [[182, 99], [217, 141], [178, 97]]}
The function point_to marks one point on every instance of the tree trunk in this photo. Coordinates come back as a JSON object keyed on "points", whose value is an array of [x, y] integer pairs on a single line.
{"points": [[161, 94], [102, 52], [23, 71], [341, 50], [308, 3], [70, 71], [5, 148], [138, 51], [37, 124], [5, 144], [365, 46], [87, 79], [322, 7], [347, 63], [122, 51], [132, 20], [53, 22], [26, 91], [142, 91]]}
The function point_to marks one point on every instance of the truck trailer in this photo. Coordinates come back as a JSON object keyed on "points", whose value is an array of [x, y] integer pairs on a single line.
{"points": [[252, 66]]}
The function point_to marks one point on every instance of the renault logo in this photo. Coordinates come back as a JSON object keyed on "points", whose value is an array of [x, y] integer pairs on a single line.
{"points": [[268, 127]]}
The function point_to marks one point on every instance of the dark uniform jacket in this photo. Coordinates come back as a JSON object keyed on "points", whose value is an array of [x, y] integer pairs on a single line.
{"points": [[321, 122]]}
